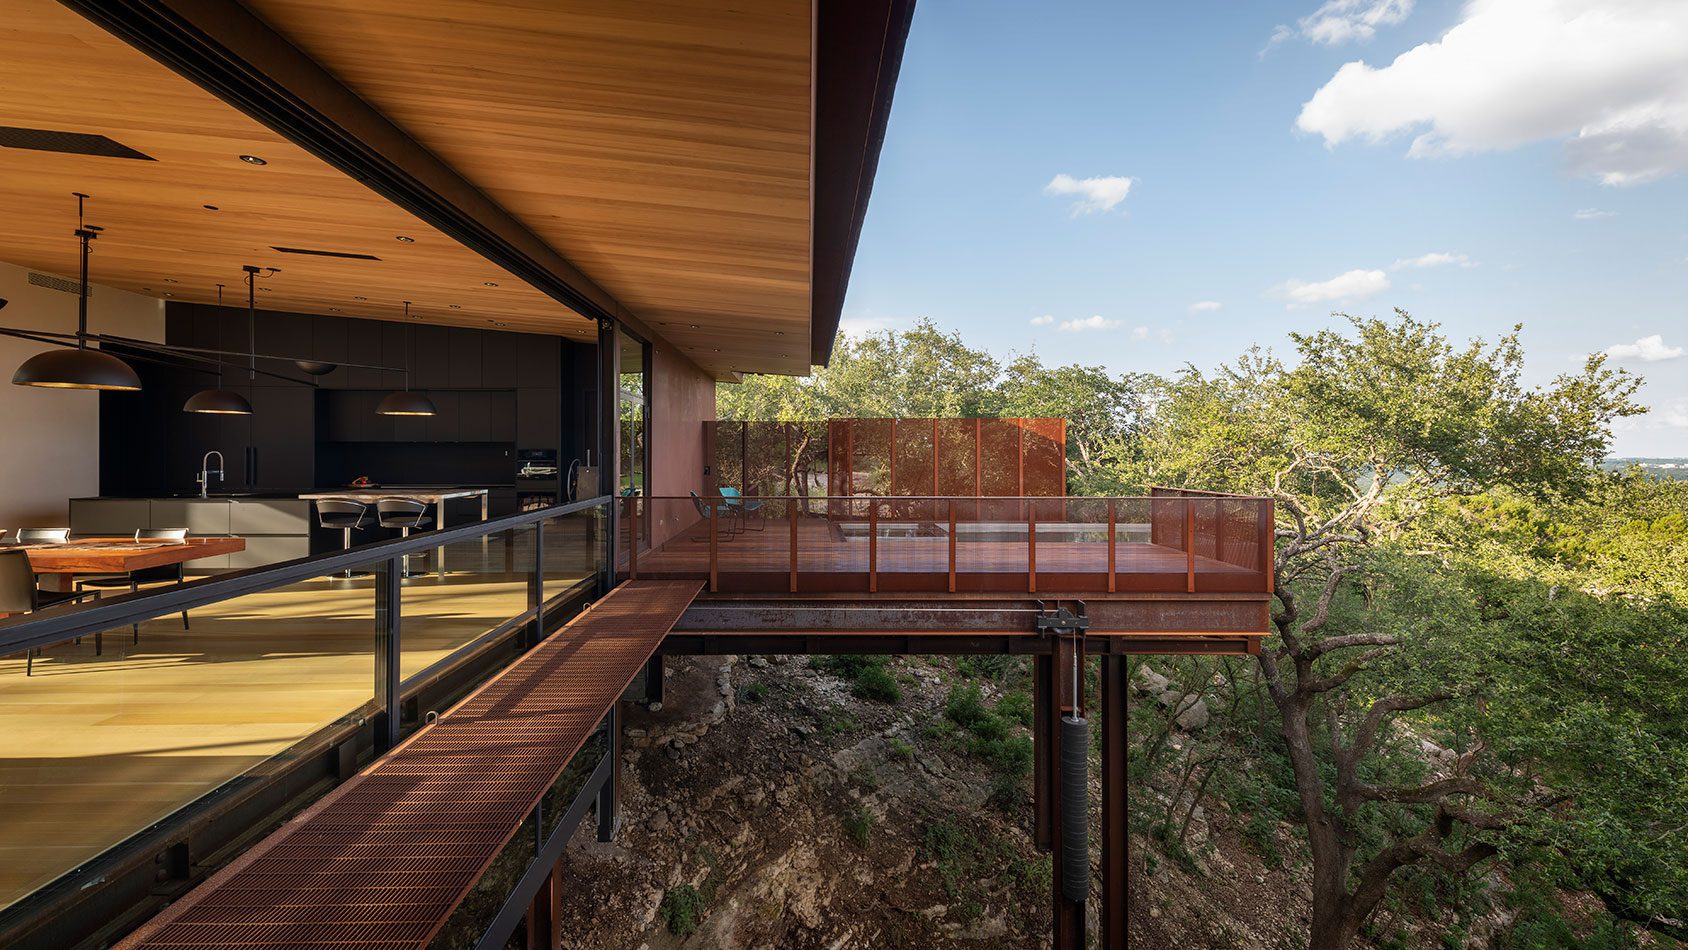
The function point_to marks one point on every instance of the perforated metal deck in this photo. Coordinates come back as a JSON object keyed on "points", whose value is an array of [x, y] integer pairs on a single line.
{"points": [[382, 861]]}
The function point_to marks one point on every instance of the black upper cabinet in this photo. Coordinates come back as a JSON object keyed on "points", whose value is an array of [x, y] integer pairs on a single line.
{"points": [[445, 425], [538, 418], [395, 352], [538, 361], [328, 344], [364, 345], [283, 443], [464, 371], [284, 335], [498, 359], [432, 367]]}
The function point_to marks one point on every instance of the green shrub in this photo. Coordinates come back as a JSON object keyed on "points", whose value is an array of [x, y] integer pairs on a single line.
{"points": [[877, 683], [681, 907], [1017, 706], [965, 705], [858, 824], [755, 692], [899, 751]]}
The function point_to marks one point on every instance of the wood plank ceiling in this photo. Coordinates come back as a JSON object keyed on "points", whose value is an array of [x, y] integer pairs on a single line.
{"points": [[664, 148], [60, 72]]}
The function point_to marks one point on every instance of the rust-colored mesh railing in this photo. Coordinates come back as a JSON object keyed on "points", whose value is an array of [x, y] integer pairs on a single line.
{"points": [[1162, 543], [869, 457]]}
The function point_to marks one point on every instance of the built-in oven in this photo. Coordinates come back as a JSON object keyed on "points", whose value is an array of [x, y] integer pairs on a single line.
{"points": [[538, 479]]}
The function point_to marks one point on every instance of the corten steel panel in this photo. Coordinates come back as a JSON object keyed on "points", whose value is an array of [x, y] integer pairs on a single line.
{"points": [[956, 457], [913, 440], [382, 861], [729, 453], [871, 458], [1044, 447], [999, 457]]}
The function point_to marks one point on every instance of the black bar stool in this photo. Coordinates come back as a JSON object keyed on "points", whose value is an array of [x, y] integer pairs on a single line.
{"points": [[406, 514], [343, 515]]}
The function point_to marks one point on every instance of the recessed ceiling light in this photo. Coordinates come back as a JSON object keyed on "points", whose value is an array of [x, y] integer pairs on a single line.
{"points": [[333, 309], [405, 240], [693, 326], [210, 207], [169, 280], [717, 349], [456, 306], [265, 289], [253, 160], [489, 283], [779, 333], [360, 298], [168, 294]]}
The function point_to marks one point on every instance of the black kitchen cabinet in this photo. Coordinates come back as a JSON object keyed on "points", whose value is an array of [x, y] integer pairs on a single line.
{"points": [[432, 347], [538, 361], [282, 450], [538, 418], [446, 424], [464, 368], [498, 359], [363, 345]]}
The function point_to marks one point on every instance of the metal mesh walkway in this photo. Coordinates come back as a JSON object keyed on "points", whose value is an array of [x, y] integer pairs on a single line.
{"points": [[382, 861]]}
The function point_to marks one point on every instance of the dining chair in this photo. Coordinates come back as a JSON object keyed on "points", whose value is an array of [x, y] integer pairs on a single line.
{"points": [[43, 535], [19, 594], [405, 514], [743, 507], [163, 574]]}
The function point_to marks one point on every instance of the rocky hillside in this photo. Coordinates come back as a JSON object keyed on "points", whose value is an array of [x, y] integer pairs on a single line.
{"points": [[777, 803]]}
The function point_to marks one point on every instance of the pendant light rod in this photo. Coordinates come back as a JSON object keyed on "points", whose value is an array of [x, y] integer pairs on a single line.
{"points": [[86, 236], [251, 321]]}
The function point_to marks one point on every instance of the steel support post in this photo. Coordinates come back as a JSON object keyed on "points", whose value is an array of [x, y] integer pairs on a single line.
{"points": [[609, 819], [389, 577], [544, 916], [536, 587], [1065, 665], [1116, 866], [1043, 754], [653, 679]]}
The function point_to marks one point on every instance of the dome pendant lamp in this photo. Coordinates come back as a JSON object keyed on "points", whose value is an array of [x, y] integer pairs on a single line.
{"points": [[79, 368], [405, 402], [227, 402]]}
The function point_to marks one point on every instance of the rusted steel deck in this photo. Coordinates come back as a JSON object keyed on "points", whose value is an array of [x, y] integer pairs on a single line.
{"points": [[382, 861]]}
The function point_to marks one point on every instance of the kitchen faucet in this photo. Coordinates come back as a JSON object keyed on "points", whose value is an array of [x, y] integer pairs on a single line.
{"points": [[205, 472]]}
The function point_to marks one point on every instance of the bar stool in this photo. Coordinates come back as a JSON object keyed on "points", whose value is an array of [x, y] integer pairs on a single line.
{"points": [[405, 514], [343, 515]]}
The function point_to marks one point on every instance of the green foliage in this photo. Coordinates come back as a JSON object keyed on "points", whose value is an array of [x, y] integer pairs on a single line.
{"points": [[869, 676], [754, 692], [899, 751], [992, 740], [858, 825], [680, 909]]}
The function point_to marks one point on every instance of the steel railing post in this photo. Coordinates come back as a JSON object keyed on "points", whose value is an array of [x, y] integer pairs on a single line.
{"points": [[389, 576], [536, 585]]}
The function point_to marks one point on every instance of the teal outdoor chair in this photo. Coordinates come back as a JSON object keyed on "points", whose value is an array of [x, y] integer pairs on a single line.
{"points": [[743, 507]]}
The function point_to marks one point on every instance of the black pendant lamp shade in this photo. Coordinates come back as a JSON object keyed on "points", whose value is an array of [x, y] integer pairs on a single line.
{"points": [[79, 368], [222, 402], [316, 367], [404, 402]]}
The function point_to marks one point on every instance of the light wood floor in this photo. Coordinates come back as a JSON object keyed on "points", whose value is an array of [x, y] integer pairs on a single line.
{"points": [[96, 748]]}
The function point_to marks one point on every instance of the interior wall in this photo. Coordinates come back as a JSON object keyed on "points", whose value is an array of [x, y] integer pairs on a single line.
{"points": [[55, 433], [682, 400]]}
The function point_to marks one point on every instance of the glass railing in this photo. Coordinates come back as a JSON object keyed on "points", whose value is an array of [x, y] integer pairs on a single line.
{"points": [[131, 724], [1169, 542]]}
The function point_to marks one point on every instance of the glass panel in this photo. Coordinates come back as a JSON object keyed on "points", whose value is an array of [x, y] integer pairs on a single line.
{"points": [[574, 550], [458, 593], [106, 737], [634, 407]]}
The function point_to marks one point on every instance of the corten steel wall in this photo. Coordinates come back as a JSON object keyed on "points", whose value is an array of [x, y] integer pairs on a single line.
{"points": [[682, 400], [952, 458]]}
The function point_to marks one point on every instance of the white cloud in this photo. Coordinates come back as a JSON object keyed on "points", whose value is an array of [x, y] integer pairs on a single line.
{"points": [[1042, 321], [1340, 21], [857, 327], [1139, 333], [1648, 349], [1433, 259], [1352, 285], [1608, 78], [1205, 306], [1095, 322], [1590, 214], [1094, 194]]}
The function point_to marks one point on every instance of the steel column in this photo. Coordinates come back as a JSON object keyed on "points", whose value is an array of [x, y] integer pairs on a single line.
{"points": [[1068, 914], [609, 441], [609, 819], [653, 679], [1116, 866], [544, 917], [1043, 753], [389, 575]]}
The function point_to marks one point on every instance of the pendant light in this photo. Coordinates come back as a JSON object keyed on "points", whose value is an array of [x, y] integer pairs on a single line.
{"points": [[405, 402], [227, 402], [79, 368]]}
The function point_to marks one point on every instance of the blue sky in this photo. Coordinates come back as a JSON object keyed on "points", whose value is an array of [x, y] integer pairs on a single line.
{"points": [[1538, 149]]}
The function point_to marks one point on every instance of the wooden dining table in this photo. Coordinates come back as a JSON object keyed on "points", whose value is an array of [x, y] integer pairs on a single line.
{"points": [[119, 555]]}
